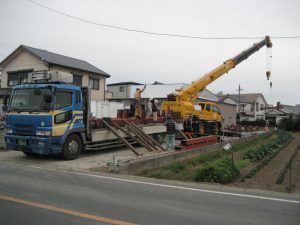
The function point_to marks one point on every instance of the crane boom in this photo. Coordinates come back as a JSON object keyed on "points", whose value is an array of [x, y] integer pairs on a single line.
{"points": [[190, 93], [205, 117]]}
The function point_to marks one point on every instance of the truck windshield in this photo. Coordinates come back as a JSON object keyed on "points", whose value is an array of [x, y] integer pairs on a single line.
{"points": [[31, 100]]}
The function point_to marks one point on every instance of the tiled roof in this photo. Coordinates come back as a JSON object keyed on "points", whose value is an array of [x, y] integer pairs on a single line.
{"points": [[61, 60]]}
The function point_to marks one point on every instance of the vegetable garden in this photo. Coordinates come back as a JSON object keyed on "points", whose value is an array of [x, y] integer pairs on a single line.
{"points": [[236, 166]]}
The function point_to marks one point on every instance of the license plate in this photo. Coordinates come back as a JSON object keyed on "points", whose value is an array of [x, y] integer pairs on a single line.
{"points": [[22, 142]]}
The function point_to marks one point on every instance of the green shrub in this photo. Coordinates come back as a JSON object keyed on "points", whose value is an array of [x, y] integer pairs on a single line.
{"points": [[221, 171], [290, 123], [258, 123]]}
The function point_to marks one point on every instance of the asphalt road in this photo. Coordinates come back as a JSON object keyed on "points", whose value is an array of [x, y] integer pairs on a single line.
{"points": [[31, 195]]}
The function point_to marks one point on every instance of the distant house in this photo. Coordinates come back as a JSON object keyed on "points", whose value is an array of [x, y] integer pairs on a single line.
{"points": [[25, 59], [275, 114], [251, 105], [119, 91]]}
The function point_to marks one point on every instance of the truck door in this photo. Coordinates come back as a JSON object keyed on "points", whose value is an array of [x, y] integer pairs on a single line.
{"points": [[62, 111]]}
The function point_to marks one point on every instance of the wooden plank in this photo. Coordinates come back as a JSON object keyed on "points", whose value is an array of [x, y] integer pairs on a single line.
{"points": [[146, 146], [151, 139], [121, 138]]}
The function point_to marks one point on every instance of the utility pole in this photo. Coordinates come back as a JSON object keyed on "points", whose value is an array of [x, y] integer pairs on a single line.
{"points": [[239, 104]]}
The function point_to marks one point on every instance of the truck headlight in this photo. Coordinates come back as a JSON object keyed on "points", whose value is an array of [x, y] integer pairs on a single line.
{"points": [[43, 133], [9, 131]]}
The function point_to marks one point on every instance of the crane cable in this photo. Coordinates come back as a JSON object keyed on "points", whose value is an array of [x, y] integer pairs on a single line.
{"points": [[268, 70]]}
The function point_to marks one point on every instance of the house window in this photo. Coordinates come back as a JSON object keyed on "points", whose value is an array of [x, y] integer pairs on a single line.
{"points": [[94, 84], [77, 80], [257, 106], [121, 89], [242, 108], [16, 78], [262, 106]]}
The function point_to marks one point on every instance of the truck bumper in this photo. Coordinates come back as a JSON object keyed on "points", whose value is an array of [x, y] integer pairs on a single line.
{"points": [[37, 145]]}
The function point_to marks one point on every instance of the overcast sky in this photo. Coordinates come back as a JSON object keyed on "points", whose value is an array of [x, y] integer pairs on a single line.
{"points": [[129, 56]]}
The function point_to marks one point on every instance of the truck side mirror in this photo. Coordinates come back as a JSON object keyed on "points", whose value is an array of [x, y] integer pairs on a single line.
{"points": [[5, 101]]}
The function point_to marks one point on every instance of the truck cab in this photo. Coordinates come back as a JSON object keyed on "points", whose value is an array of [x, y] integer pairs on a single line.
{"points": [[46, 116]]}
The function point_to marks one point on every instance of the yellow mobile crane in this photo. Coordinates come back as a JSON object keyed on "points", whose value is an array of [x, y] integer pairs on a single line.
{"points": [[205, 117]]}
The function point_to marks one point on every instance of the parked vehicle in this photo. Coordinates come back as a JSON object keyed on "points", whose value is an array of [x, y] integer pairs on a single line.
{"points": [[49, 116]]}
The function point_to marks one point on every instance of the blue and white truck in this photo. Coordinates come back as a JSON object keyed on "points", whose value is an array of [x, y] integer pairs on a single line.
{"points": [[50, 115]]}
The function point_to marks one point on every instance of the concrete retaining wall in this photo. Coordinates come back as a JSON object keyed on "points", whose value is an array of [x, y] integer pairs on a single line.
{"points": [[139, 165]]}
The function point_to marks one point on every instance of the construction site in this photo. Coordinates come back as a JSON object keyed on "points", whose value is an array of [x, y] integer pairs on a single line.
{"points": [[136, 142], [149, 112]]}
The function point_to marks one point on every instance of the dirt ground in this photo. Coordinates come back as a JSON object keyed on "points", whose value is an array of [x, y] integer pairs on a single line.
{"points": [[86, 161], [266, 178]]}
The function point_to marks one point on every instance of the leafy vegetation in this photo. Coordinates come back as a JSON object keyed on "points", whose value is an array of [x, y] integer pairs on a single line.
{"points": [[218, 167], [271, 149], [260, 152], [222, 171]]}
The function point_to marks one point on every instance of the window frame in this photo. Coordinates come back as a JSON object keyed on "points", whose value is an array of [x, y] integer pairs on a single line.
{"points": [[77, 76], [19, 77], [122, 89], [208, 106], [94, 81], [66, 91]]}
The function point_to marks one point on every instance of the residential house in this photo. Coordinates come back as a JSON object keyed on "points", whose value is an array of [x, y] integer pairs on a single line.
{"points": [[251, 105], [25, 59], [275, 114]]}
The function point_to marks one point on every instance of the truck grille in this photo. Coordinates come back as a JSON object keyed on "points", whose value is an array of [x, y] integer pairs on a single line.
{"points": [[24, 130]]}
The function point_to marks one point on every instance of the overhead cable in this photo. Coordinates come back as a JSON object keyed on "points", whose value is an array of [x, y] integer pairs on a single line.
{"points": [[156, 33]]}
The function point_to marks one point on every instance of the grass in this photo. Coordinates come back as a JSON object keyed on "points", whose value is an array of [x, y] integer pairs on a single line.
{"points": [[241, 163]]}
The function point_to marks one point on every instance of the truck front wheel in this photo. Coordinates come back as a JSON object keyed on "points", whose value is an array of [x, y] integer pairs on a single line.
{"points": [[72, 147]]}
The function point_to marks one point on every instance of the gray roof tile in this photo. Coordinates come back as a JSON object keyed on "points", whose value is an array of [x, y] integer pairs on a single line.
{"points": [[65, 61]]}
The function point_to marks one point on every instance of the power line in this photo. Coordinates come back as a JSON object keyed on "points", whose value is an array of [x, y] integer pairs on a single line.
{"points": [[156, 33]]}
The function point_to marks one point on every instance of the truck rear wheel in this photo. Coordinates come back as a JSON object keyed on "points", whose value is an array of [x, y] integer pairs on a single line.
{"points": [[72, 147]]}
